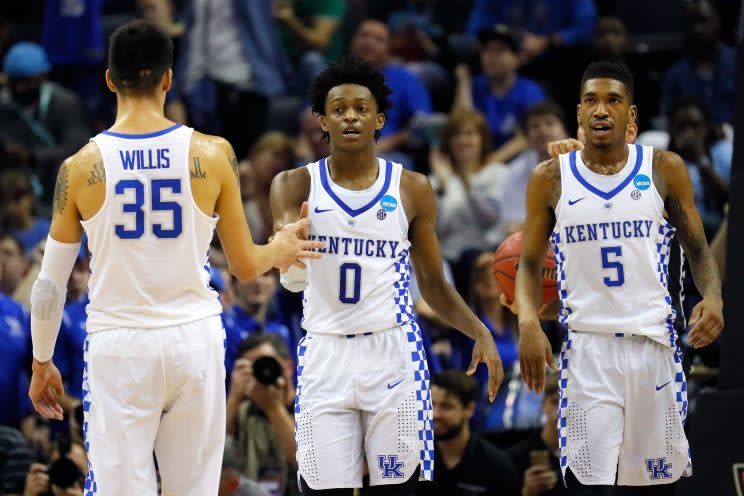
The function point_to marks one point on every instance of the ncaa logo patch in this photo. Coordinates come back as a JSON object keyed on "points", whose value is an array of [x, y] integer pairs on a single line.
{"points": [[635, 194], [388, 203], [381, 214], [642, 182]]}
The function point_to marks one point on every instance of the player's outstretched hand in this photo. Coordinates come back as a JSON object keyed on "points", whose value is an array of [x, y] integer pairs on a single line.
{"points": [[485, 351], [291, 248], [706, 322], [45, 382], [534, 352], [560, 147]]}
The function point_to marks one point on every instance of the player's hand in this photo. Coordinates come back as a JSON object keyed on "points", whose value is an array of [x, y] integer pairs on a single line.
{"points": [[560, 147], [538, 479], [37, 480], [549, 311], [706, 322], [534, 352], [485, 351], [291, 248], [46, 381]]}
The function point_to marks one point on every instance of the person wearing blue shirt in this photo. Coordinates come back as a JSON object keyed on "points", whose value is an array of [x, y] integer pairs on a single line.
{"points": [[250, 314], [708, 72], [15, 350], [409, 98], [19, 204], [500, 92], [544, 22]]}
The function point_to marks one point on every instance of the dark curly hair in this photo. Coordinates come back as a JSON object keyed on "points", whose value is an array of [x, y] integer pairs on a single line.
{"points": [[350, 70]]}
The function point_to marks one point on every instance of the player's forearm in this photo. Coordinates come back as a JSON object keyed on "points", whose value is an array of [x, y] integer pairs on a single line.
{"points": [[259, 260], [527, 291], [704, 270], [450, 306], [283, 425]]}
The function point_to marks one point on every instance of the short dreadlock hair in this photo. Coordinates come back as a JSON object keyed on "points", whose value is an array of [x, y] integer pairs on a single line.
{"points": [[350, 70]]}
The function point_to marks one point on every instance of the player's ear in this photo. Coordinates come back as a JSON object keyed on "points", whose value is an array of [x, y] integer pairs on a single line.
{"points": [[632, 113], [167, 81], [578, 114], [110, 82], [380, 121], [323, 124]]}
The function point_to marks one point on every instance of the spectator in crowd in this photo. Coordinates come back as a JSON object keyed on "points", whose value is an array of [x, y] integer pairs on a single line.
{"points": [[16, 458], [19, 216], [500, 92], [610, 39], [233, 483], [15, 334], [708, 159], [72, 35], [14, 264], [311, 145], [541, 124], [231, 63], [41, 123], [310, 31], [536, 458], [372, 42], [272, 154], [469, 192], [708, 72], [260, 422], [464, 462], [544, 23]]}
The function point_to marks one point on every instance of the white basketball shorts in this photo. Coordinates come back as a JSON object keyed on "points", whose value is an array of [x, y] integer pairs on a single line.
{"points": [[623, 403], [160, 390], [363, 395]]}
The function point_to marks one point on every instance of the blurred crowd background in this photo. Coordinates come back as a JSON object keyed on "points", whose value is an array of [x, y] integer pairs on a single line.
{"points": [[480, 87]]}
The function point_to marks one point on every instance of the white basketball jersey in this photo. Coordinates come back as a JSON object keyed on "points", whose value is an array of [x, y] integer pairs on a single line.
{"points": [[149, 241], [361, 282], [611, 245]]}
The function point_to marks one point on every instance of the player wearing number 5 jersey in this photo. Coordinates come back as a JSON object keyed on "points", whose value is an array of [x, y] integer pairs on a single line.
{"points": [[149, 194], [623, 395], [363, 383]]}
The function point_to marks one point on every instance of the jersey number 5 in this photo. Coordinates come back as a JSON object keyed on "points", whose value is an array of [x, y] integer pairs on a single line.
{"points": [[619, 278], [156, 187]]}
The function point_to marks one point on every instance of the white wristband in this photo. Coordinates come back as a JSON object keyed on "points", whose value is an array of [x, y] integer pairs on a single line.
{"points": [[295, 279]]}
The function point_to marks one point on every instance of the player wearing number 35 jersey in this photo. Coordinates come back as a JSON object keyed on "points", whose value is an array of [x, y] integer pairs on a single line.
{"points": [[363, 383], [623, 396], [149, 194]]}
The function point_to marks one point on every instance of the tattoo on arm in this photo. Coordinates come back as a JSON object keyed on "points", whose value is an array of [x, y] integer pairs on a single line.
{"points": [[552, 174], [97, 174], [234, 164], [196, 172], [60, 190], [692, 237]]}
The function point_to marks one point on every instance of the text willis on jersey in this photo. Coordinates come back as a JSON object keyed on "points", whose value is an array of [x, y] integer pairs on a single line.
{"points": [[144, 159]]}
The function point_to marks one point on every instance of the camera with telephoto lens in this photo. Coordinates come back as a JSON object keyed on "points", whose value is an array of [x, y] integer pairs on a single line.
{"points": [[267, 370]]}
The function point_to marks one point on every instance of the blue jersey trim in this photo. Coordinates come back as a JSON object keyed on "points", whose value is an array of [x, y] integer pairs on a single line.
{"points": [[142, 136], [344, 206], [609, 194]]}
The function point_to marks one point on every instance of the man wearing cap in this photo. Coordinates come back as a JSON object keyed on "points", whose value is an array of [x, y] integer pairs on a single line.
{"points": [[41, 123], [500, 92]]}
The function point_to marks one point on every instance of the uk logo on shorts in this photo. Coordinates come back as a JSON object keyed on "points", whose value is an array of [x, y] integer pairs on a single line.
{"points": [[390, 466], [658, 468], [642, 182], [388, 203]]}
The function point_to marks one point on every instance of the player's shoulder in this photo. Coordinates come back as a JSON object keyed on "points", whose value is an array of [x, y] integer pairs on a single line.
{"points": [[209, 145], [80, 164], [667, 161], [414, 181], [293, 182], [548, 170]]}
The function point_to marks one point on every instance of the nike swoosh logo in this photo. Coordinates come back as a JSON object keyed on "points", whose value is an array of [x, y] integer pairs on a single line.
{"points": [[391, 386], [572, 202], [319, 211], [659, 388]]}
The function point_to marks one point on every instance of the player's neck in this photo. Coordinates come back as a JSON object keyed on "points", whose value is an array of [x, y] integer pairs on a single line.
{"points": [[344, 165], [602, 160], [139, 115]]}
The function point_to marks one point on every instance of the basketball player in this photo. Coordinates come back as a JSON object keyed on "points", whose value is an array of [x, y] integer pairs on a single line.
{"points": [[623, 392], [363, 383], [149, 194]]}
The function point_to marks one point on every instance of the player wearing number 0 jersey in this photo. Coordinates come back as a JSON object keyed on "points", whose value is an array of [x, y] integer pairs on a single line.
{"points": [[363, 383], [623, 396], [149, 194]]}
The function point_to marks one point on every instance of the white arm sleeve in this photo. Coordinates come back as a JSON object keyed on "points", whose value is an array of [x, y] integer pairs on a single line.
{"points": [[295, 279], [48, 295]]}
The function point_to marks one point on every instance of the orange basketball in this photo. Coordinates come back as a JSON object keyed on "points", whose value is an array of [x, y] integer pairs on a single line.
{"points": [[506, 262]]}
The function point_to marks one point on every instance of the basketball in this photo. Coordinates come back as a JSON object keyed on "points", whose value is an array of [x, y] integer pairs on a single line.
{"points": [[506, 262]]}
